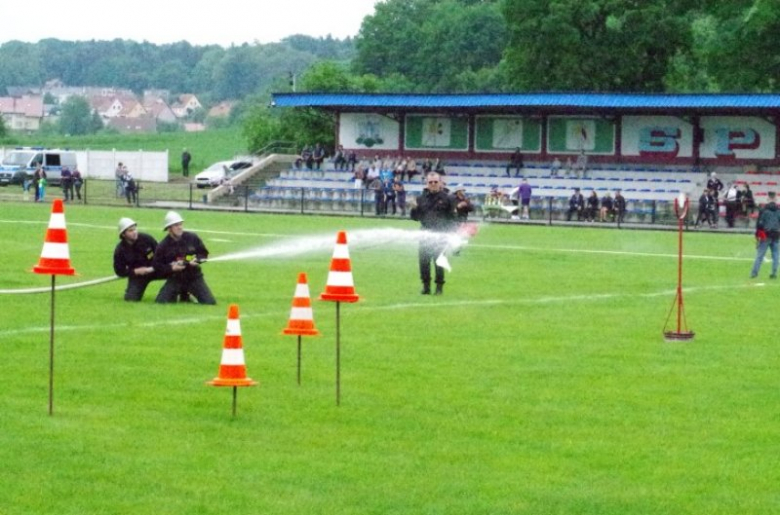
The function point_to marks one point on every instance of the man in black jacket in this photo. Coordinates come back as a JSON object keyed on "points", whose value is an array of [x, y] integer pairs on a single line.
{"points": [[178, 258], [767, 236], [133, 259], [435, 210]]}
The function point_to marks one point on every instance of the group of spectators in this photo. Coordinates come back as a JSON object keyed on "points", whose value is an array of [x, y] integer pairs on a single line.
{"points": [[126, 185], [737, 202], [605, 209]]}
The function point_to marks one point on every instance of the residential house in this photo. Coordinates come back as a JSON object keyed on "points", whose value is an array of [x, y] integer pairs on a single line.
{"points": [[185, 105], [221, 110], [143, 124], [159, 110], [22, 114]]}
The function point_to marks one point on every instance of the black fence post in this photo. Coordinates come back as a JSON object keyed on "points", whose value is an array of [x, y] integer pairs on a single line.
{"points": [[190, 186], [303, 195], [549, 210], [84, 185], [652, 213], [246, 198]]}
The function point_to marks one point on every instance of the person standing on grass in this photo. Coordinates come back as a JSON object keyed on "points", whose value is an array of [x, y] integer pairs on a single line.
{"points": [[620, 206], [133, 257], [178, 258], [186, 157], [767, 235], [435, 210], [524, 192]]}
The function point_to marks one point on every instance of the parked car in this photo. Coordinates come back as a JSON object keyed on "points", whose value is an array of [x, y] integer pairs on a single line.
{"points": [[216, 174]]}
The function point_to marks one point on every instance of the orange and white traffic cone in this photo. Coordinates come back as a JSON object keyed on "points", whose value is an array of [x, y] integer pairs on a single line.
{"points": [[301, 315], [232, 369], [340, 287], [55, 256]]}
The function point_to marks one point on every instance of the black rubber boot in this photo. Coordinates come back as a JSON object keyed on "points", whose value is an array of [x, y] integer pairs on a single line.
{"points": [[439, 289], [426, 289]]}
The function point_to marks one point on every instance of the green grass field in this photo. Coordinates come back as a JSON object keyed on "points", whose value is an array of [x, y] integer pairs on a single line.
{"points": [[539, 383]]}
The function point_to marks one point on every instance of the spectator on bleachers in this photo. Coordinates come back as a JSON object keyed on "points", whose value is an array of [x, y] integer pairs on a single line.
{"points": [[555, 167], [732, 204], [569, 166], [714, 185], [438, 166], [746, 200], [620, 206], [607, 208], [339, 159], [427, 167], [352, 160], [400, 168], [371, 173], [359, 176], [307, 157], [576, 205], [592, 207], [318, 155], [516, 162], [400, 197], [581, 166], [411, 169]]}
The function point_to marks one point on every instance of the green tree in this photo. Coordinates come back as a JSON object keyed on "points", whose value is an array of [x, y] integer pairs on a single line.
{"points": [[3, 129], [430, 42], [592, 45], [745, 55], [76, 117]]}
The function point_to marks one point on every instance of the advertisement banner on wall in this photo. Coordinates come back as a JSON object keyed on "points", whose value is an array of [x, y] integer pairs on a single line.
{"points": [[571, 135], [368, 131], [436, 132], [506, 133], [738, 137], [661, 137]]}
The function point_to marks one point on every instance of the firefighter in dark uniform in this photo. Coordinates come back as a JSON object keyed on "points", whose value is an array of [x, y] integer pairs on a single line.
{"points": [[133, 259], [178, 258], [435, 210]]}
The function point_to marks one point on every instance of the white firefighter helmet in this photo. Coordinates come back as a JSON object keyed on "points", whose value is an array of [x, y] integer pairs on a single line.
{"points": [[172, 218], [125, 224]]}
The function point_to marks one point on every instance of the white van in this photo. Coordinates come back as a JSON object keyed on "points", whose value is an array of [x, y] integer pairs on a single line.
{"points": [[20, 164]]}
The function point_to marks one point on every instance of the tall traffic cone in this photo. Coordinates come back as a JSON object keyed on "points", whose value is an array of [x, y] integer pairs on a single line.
{"points": [[340, 287], [232, 369], [55, 257], [301, 316]]}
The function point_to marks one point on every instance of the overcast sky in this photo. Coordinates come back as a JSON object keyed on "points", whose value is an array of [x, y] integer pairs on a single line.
{"points": [[221, 22]]}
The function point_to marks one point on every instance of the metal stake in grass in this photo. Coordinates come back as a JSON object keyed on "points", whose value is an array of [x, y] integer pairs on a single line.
{"points": [[681, 204], [339, 288], [301, 321], [55, 260]]}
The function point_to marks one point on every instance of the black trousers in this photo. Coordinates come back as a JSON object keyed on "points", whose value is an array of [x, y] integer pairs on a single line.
{"points": [[430, 248], [136, 286], [174, 286]]}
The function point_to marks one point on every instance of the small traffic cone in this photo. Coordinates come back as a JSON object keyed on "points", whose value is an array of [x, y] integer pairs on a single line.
{"points": [[55, 257], [301, 316], [340, 287], [232, 369]]}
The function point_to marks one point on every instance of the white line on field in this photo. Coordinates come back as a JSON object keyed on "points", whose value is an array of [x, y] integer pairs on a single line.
{"points": [[194, 320], [609, 252]]}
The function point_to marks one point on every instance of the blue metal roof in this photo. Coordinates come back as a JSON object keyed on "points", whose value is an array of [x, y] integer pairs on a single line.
{"points": [[551, 100]]}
